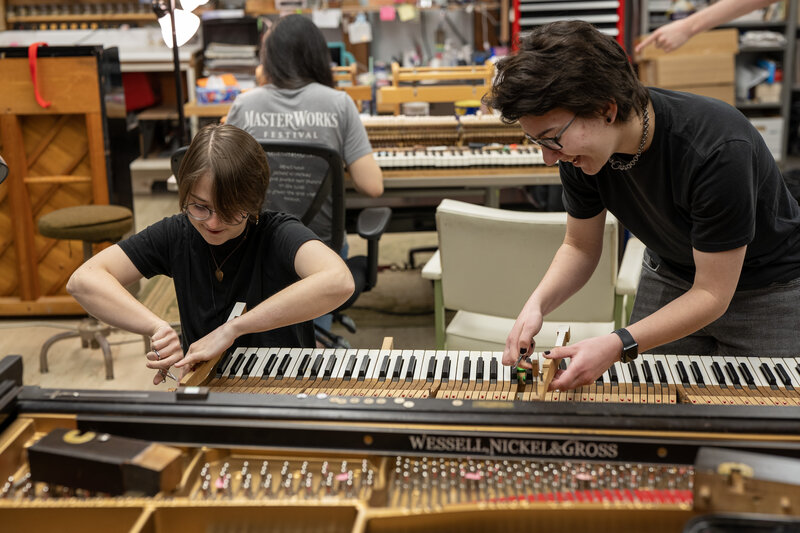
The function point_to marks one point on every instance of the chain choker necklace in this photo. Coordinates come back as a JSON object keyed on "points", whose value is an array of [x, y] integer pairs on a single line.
{"points": [[218, 272], [616, 164]]}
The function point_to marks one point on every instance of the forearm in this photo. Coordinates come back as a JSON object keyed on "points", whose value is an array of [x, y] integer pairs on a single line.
{"points": [[683, 316], [570, 269], [104, 297], [304, 300], [721, 12]]}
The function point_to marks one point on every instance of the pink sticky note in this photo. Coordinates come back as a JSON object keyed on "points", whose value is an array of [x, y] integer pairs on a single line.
{"points": [[387, 13]]}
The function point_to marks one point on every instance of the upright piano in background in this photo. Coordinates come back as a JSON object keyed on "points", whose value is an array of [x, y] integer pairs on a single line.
{"points": [[67, 154]]}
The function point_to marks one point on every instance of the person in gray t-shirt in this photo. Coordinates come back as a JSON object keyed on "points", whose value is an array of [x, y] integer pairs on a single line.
{"points": [[297, 102]]}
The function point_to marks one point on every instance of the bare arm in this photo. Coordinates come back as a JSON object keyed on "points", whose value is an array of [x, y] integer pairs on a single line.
{"points": [[570, 269], [325, 284], [367, 176], [675, 34], [99, 286], [716, 277]]}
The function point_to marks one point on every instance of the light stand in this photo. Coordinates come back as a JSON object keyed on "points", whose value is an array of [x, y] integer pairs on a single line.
{"points": [[189, 24]]}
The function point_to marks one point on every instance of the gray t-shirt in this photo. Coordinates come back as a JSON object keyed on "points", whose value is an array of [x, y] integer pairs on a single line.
{"points": [[314, 114]]}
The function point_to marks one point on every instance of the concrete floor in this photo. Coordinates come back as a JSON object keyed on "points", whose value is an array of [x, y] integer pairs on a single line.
{"points": [[400, 306]]}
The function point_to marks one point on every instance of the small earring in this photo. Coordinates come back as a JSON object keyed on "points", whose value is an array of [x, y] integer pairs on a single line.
{"points": [[608, 119]]}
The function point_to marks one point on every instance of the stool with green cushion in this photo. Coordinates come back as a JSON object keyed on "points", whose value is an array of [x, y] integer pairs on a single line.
{"points": [[90, 224]]}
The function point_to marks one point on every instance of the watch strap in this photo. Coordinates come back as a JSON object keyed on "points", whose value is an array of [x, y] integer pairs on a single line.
{"points": [[630, 348]]}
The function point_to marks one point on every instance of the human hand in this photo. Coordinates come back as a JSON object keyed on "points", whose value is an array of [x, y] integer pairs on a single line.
{"points": [[520, 339], [668, 37], [206, 348], [588, 360], [165, 351]]}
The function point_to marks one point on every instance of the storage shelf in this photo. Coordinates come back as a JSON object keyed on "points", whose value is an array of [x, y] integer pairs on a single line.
{"points": [[109, 17]]}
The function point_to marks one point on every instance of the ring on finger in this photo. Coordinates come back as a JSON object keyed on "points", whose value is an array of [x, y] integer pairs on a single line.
{"points": [[158, 355]]}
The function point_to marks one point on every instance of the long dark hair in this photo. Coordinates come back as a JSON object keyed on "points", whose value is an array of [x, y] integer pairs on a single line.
{"points": [[236, 163], [569, 65], [294, 53]]}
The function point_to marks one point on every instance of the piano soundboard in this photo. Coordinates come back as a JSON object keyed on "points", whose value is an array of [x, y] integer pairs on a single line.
{"points": [[475, 375]]}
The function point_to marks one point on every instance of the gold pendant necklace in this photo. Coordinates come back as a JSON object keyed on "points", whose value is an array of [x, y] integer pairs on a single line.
{"points": [[218, 272]]}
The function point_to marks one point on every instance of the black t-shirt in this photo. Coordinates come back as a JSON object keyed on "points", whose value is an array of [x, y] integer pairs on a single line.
{"points": [[709, 182], [261, 266]]}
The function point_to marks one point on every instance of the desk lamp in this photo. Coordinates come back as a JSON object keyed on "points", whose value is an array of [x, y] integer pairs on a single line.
{"points": [[177, 27]]}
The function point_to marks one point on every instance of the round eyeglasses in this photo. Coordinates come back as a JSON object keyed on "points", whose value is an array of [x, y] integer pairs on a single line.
{"points": [[201, 213], [552, 143]]}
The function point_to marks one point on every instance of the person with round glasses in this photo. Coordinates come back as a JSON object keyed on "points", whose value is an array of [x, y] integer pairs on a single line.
{"points": [[220, 250], [688, 175]]}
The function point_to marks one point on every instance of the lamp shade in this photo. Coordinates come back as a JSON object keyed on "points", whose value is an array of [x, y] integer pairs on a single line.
{"points": [[191, 5], [186, 25]]}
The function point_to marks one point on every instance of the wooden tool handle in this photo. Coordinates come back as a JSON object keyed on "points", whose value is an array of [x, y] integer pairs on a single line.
{"points": [[199, 374], [549, 366]]}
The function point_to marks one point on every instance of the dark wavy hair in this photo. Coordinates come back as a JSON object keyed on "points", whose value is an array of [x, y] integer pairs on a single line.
{"points": [[237, 164], [294, 53], [569, 65]]}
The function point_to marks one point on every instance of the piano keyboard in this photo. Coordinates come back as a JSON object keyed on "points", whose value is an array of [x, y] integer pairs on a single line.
{"points": [[475, 375], [459, 157]]}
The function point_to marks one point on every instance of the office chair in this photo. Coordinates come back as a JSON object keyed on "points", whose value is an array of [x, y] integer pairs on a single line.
{"points": [[490, 260], [370, 225]]}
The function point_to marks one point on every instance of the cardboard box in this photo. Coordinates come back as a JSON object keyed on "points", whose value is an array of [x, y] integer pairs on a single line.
{"points": [[688, 70], [771, 128], [725, 92]]}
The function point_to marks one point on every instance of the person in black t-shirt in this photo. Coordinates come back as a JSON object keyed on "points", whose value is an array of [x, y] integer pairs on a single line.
{"points": [[222, 249], [688, 175]]}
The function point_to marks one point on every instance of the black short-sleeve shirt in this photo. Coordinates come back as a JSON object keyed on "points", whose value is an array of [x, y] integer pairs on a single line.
{"points": [[262, 265], [708, 182]]}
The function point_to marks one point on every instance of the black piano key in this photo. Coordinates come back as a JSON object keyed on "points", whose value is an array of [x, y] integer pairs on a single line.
{"points": [[283, 366], [599, 380], [223, 363], [529, 375], [493, 370], [648, 373], [718, 375], [398, 369], [784, 376], [349, 367], [698, 376], [328, 373], [769, 376], [412, 366], [237, 364], [682, 374], [634, 373], [748, 376], [465, 371], [362, 370], [562, 364], [733, 375], [446, 369], [304, 362], [479, 370], [612, 372], [430, 375], [661, 372], [316, 366], [248, 367], [384, 371], [271, 360]]}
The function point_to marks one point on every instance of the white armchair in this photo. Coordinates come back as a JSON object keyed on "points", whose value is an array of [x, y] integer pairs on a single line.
{"points": [[490, 260]]}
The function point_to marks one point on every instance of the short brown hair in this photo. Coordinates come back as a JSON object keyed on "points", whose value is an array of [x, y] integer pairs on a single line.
{"points": [[569, 65], [237, 165]]}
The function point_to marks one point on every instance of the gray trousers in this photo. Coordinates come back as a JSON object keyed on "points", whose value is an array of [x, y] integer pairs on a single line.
{"points": [[763, 322]]}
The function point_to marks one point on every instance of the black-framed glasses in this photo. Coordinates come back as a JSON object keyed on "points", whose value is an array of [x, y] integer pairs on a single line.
{"points": [[200, 213], [552, 143]]}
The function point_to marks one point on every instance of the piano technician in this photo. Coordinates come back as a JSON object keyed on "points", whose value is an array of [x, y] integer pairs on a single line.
{"points": [[221, 249], [688, 175]]}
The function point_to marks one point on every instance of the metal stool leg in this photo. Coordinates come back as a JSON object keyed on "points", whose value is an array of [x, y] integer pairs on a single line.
{"points": [[103, 342], [48, 343]]}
